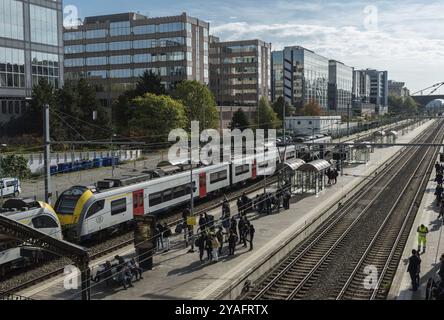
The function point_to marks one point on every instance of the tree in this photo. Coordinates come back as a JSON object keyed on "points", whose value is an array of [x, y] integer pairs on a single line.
{"points": [[239, 120], [312, 108], [155, 116], [267, 118], [15, 166], [199, 103], [149, 82], [278, 107]]}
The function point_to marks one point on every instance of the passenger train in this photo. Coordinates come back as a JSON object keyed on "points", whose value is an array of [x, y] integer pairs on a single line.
{"points": [[112, 204], [35, 214]]}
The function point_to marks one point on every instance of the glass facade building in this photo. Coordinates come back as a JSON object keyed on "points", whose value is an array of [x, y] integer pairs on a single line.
{"points": [[30, 49], [305, 76], [378, 89], [240, 71], [340, 88], [117, 49]]}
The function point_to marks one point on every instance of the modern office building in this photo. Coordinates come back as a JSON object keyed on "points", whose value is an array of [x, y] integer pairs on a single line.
{"points": [[340, 88], [31, 48], [240, 71], [378, 89], [361, 86], [226, 114], [398, 88], [116, 49], [304, 77]]}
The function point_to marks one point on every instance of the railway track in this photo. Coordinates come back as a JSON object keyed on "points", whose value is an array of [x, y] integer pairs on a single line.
{"points": [[364, 238]]}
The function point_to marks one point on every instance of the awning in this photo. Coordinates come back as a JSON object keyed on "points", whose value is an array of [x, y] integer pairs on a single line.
{"points": [[392, 133], [379, 133], [293, 164], [315, 166]]}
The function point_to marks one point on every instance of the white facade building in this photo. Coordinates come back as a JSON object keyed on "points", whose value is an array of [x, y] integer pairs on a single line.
{"points": [[308, 125]]}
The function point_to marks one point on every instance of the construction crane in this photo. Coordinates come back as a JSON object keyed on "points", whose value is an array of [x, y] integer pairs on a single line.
{"points": [[436, 86]]}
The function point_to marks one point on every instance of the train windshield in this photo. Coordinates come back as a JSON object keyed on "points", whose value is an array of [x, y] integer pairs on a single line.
{"points": [[68, 200]]}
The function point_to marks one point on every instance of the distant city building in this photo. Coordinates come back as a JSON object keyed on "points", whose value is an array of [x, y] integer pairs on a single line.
{"points": [[31, 48], [301, 75], [226, 114], [240, 71], [397, 88], [361, 86], [114, 50], [340, 88], [378, 89]]}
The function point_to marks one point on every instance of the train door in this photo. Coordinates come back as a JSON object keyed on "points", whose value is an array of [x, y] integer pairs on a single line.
{"points": [[202, 184], [138, 203], [254, 169]]}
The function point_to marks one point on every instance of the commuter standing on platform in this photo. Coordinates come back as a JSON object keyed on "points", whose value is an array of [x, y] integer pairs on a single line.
{"points": [[251, 232], [202, 223], [422, 237], [287, 198], [166, 235], [215, 245], [439, 178], [241, 226], [220, 238], [268, 203], [232, 240], [200, 243], [233, 226], [185, 214], [209, 247], [413, 269]]}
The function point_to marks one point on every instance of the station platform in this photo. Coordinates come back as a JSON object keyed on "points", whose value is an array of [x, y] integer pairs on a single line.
{"points": [[428, 215], [178, 274]]}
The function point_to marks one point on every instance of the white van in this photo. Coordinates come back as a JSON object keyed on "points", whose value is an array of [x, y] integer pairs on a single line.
{"points": [[10, 187]]}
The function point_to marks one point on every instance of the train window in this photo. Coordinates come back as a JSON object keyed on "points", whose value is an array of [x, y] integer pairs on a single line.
{"points": [[10, 183], [140, 200], [155, 199], [118, 206], [242, 169], [179, 192], [42, 222], [218, 176], [95, 207], [66, 205], [291, 155], [188, 191], [167, 195]]}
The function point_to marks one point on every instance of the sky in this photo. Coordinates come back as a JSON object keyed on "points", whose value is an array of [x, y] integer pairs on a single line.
{"points": [[406, 38]]}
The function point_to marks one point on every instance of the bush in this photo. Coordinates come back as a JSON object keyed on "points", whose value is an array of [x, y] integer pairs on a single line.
{"points": [[14, 166]]}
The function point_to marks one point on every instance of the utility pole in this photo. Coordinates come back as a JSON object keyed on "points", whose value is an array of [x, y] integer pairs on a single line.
{"points": [[47, 153]]}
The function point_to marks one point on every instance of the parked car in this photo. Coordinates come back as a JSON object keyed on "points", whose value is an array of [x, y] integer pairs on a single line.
{"points": [[10, 187]]}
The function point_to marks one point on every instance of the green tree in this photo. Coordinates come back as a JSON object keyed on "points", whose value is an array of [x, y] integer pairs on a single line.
{"points": [[278, 107], [15, 166], [149, 82], [267, 118], [312, 108], [239, 120], [155, 116], [199, 102]]}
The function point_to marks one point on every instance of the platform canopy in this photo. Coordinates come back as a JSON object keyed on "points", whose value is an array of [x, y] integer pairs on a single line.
{"points": [[315, 166], [294, 164], [380, 133]]}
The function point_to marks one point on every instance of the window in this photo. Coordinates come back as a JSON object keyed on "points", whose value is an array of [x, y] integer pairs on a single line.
{"points": [[97, 74], [120, 59], [69, 36], [180, 192], [144, 44], [120, 45], [78, 48], [12, 68], [41, 222], [45, 65], [93, 34], [167, 195], [95, 207], [11, 19], [43, 25], [78, 62], [242, 169], [96, 61], [120, 28], [218, 176], [145, 29], [155, 199], [118, 206], [96, 47], [120, 73], [141, 58], [171, 27]]}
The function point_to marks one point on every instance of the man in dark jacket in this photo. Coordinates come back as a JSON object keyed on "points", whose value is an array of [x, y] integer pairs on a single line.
{"points": [[413, 269], [241, 226], [287, 197], [251, 233], [200, 243], [232, 240]]}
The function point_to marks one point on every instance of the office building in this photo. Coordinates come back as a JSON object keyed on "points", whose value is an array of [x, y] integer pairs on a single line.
{"points": [[398, 88], [240, 71], [31, 48], [114, 50], [301, 75], [378, 89], [226, 114], [340, 88]]}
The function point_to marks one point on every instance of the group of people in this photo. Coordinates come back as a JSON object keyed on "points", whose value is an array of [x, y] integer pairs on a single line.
{"points": [[163, 234], [234, 230], [439, 190], [123, 272], [267, 202], [332, 175]]}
